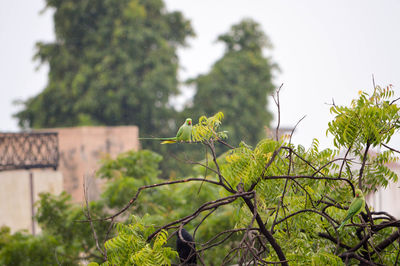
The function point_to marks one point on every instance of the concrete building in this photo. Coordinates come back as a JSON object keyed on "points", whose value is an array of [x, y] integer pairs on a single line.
{"points": [[19, 190], [81, 150], [64, 162]]}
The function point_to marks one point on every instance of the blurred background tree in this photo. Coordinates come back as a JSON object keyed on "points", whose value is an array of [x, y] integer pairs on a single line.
{"points": [[115, 63], [238, 84], [112, 63]]}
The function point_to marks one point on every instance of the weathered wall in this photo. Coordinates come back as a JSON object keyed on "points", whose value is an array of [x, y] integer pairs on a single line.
{"points": [[81, 149], [15, 195], [387, 199]]}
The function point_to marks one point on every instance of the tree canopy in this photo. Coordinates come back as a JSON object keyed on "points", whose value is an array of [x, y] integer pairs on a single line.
{"points": [[238, 84], [288, 201], [276, 202], [112, 63]]}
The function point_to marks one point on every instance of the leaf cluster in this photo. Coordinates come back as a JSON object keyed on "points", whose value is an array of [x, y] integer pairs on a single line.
{"points": [[369, 120], [130, 247]]}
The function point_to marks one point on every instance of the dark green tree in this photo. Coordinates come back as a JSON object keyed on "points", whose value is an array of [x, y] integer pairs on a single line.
{"points": [[112, 63], [238, 84]]}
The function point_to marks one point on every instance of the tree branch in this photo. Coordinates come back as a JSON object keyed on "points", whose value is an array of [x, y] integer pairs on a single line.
{"points": [[363, 165], [152, 186], [267, 234], [206, 206], [88, 216]]}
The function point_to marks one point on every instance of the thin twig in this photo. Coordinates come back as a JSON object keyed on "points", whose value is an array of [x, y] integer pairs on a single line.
{"points": [[222, 180], [311, 177], [395, 100], [390, 148], [344, 161], [279, 111], [88, 216], [363, 165], [397, 257], [294, 128], [268, 235], [230, 232], [226, 144], [202, 220]]}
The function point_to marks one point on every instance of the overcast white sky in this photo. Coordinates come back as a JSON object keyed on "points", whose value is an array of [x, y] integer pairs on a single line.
{"points": [[326, 49]]}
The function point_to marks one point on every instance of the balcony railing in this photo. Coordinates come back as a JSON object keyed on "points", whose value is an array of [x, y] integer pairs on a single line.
{"points": [[28, 150]]}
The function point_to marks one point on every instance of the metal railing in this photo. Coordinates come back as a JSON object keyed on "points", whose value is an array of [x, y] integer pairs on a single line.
{"points": [[28, 150]]}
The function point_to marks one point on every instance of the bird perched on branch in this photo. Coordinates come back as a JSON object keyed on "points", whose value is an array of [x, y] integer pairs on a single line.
{"points": [[356, 206], [184, 134], [186, 248]]}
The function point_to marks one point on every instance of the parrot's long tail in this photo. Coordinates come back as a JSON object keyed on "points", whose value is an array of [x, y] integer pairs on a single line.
{"points": [[340, 227], [343, 223], [160, 138]]}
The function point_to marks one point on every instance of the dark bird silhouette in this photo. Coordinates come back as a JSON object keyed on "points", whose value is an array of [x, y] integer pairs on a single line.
{"points": [[186, 248]]}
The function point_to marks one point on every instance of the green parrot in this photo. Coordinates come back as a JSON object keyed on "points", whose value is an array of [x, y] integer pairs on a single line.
{"points": [[356, 206], [184, 134]]}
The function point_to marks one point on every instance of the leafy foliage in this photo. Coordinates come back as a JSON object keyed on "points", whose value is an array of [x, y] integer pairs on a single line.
{"points": [[62, 241], [22, 248], [207, 128], [130, 247], [162, 204], [301, 194], [58, 217], [370, 121], [273, 202]]}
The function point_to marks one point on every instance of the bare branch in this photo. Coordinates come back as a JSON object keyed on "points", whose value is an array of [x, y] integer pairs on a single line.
{"points": [[267, 234], [390, 148], [363, 165], [294, 128], [349, 255], [395, 100], [327, 236], [229, 232], [88, 216], [343, 162], [279, 111], [151, 186], [226, 144], [311, 177], [222, 180]]}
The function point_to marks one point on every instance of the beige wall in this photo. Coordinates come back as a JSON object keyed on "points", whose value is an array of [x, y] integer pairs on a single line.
{"points": [[387, 199], [81, 149], [15, 195]]}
